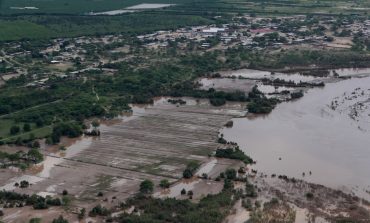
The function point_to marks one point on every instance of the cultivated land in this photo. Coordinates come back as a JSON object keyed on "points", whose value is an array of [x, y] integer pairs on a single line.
{"points": [[155, 142]]}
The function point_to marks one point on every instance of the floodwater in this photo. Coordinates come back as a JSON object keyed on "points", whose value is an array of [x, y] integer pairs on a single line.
{"points": [[149, 6], [257, 74], [112, 12], [294, 77], [352, 72], [310, 134], [227, 84], [269, 89]]}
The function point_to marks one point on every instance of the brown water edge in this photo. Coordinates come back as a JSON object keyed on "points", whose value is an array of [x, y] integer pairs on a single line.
{"points": [[306, 135]]}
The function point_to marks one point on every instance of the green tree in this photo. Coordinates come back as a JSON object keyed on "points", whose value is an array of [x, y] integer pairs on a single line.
{"points": [[146, 187], [35, 155], [230, 174], [26, 127], [14, 130]]}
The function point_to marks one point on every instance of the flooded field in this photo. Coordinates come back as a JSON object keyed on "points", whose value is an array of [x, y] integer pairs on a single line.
{"points": [[154, 142], [149, 6], [256, 74], [227, 84], [322, 137], [296, 77], [135, 8]]}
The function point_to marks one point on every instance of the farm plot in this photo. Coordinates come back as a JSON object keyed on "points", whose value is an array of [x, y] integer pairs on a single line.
{"points": [[156, 142]]}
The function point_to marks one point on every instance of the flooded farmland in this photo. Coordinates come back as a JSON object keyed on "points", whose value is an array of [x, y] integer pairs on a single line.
{"points": [[322, 137]]}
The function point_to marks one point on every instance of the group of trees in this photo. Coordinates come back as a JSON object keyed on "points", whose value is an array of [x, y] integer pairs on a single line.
{"points": [[190, 169], [71, 130], [15, 129], [233, 153], [21, 159], [259, 103], [212, 208], [13, 199], [147, 186]]}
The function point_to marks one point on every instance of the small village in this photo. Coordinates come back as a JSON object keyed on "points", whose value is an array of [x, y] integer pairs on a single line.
{"points": [[70, 57]]}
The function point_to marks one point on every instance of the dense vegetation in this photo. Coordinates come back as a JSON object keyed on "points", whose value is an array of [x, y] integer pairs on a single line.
{"points": [[259, 103], [212, 208], [20, 159], [234, 153], [13, 199], [52, 26]]}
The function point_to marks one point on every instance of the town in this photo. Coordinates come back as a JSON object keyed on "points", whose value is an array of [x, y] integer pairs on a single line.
{"points": [[72, 56]]}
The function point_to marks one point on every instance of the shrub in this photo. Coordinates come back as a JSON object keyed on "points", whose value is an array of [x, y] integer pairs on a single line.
{"points": [[60, 220], [309, 195], [98, 211], [296, 95], [35, 220], [217, 101], [24, 184], [164, 183]]}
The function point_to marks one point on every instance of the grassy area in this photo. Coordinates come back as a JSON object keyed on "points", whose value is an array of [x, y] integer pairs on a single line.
{"points": [[38, 133], [18, 29], [47, 26], [6, 124], [73, 6]]}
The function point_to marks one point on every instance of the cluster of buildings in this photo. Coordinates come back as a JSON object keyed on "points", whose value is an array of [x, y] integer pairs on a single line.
{"points": [[254, 33], [292, 30]]}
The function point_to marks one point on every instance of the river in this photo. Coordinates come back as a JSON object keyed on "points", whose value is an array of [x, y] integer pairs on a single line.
{"points": [[326, 132]]}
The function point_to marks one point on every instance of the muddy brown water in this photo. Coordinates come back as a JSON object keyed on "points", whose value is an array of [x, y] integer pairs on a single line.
{"points": [[310, 136]]}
